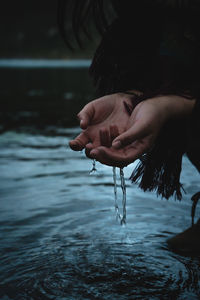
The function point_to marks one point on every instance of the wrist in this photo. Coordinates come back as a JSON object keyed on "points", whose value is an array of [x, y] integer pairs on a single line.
{"points": [[130, 99], [176, 106]]}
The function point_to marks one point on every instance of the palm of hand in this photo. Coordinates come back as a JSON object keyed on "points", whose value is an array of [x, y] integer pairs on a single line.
{"points": [[139, 135], [106, 112]]}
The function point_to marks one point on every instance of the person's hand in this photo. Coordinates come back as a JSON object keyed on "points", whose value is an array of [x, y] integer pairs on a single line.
{"points": [[105, 112], [143, 127]]}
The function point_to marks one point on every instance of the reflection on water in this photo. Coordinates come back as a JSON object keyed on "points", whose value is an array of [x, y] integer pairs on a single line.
{"points": [[58, 233]]}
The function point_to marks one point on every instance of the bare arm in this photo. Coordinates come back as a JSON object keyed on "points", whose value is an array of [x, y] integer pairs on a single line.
{"points": [[142, 129]]}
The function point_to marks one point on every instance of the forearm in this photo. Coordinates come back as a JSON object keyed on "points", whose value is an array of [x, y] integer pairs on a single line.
{"points": [[171, 106], [176, 106]]}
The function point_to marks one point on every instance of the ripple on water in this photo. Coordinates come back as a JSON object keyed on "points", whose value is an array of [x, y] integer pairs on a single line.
{"points": [[59, 236], [60, 268]]}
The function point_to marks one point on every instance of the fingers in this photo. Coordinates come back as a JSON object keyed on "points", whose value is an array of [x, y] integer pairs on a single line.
{"points": [[134, 133], [121, 157], [114, 132], [109, 157], [88, 148], [85, 115], [105, 137], [108, 135], [79, 142]]}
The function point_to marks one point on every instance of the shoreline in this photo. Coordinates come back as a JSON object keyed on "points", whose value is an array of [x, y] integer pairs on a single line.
{"points": [[33, 63]]}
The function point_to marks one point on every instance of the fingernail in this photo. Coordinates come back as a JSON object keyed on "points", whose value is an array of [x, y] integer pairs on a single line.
{"points": [[116, 144]]}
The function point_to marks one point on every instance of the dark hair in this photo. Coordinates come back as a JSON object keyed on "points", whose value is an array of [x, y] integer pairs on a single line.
{"points": [[77, 15], [152, 46], [132, 46], [77, 19]]}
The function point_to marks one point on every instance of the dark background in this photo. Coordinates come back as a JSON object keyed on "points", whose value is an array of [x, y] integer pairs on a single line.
{"points": [[29, 29], [39, 96]]}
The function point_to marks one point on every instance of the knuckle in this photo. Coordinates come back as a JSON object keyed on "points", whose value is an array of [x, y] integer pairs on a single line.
{"points": [[78, 116]]}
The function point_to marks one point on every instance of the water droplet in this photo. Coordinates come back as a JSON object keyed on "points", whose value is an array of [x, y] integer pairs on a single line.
{"points": [[93, 167]]}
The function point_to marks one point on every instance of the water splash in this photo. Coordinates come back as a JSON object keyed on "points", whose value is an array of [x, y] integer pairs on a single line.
{"points": [[93, 167], [120, 217]]}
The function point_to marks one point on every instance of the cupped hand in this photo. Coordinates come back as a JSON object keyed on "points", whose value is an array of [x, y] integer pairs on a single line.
{"points": [[105, 112], [143, 127]]}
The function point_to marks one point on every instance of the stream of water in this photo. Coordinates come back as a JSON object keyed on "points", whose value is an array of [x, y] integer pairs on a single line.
{"points": [[120, 217]]}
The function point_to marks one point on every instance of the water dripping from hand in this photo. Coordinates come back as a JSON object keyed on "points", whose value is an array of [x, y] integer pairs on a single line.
{"points": [[93, 170], [121, 218], [118, 216], [123, 187]]}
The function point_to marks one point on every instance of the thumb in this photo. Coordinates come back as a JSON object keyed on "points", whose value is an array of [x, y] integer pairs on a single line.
{"points": [[128, 137], [85, 115]]}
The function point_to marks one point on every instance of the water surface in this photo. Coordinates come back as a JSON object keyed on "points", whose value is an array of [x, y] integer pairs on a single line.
{"points": [[59, 238]]}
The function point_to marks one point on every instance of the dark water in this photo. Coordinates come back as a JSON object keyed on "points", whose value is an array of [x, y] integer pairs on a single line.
{"points": [[59, 238], [42, 92]]}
